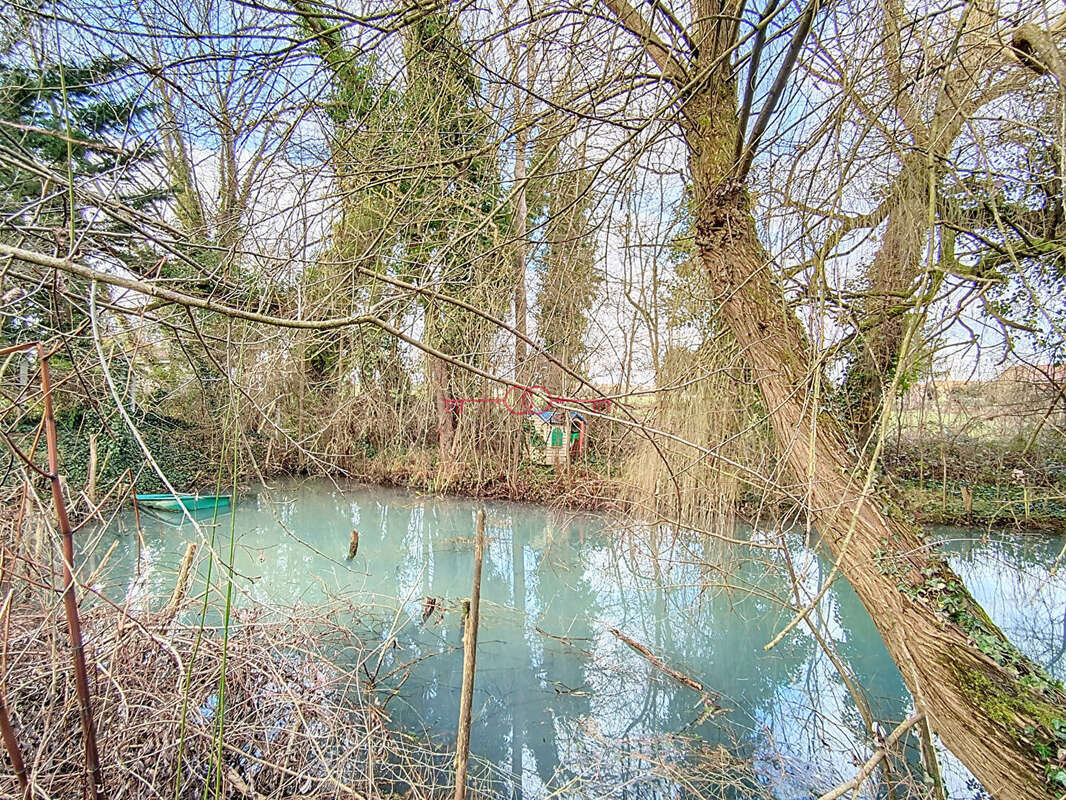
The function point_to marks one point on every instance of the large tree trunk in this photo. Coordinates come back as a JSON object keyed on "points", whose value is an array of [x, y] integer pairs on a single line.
{"points": [[440, 388], [991, 707]]}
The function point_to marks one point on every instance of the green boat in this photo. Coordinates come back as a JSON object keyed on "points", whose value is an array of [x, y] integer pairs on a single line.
{"points": [[189, 502]]}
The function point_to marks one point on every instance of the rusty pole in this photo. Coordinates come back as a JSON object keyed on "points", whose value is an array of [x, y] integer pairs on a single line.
{"points": [[70, 601]]}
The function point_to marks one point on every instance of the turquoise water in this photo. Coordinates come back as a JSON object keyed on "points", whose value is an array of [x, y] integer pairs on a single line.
{"points": [[561, 703]]}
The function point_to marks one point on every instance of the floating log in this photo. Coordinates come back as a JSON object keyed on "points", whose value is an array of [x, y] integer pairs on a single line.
{"points": [[660, 665], [353, 544]]}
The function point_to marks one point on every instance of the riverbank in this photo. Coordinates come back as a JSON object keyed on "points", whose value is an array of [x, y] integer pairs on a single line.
{"points": [[587, 487], [581, 487], [985, 483], [1037, 509], [968, 484]]}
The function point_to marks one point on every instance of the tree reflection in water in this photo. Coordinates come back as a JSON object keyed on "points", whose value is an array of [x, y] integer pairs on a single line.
{"points": [[562, 705]]}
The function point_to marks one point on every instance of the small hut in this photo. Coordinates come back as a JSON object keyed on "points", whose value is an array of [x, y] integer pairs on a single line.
{"points": [[558, 436]]}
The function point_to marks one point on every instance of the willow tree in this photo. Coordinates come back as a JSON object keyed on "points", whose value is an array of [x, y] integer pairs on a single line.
{"points": [[920, 121], [901, 133], [996, 710]]}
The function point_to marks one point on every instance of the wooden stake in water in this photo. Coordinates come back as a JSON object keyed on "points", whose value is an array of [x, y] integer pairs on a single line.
{"points": [[466, 698], [90, 484]]}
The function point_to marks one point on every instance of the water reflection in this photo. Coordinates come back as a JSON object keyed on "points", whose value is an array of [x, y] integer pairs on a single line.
{"points": [[561, 704]]}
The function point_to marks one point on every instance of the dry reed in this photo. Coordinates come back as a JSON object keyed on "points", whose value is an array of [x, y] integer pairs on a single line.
{"points": [[299, 723]]}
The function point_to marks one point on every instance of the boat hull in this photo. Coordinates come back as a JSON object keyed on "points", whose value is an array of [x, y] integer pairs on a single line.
{"points": [[187, 502]]}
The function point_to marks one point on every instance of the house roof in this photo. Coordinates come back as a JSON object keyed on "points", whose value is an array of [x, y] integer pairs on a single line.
{"points": [[547, 415]]}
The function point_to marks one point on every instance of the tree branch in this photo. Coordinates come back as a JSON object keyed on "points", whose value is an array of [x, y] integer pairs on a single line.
{"points": [[633, 21], [872, 762], [1037, 50]]}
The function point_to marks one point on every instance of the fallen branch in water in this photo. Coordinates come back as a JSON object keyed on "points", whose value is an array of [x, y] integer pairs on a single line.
{"points": [[181, 587], [872, 762], [567, 640], [662, 666]]}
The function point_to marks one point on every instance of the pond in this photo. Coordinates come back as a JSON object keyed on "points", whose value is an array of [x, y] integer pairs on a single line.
{"points": [[562, 704]]}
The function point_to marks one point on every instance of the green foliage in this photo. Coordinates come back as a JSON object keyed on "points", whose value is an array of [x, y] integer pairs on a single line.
{"points": [[173, 444], [940, 589], [455, 218], [431, 226], [67, 117]]}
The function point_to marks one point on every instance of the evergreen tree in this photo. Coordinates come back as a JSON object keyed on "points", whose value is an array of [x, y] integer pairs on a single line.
{"points": [[456, 220], [60, 121], [65, 130]]}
